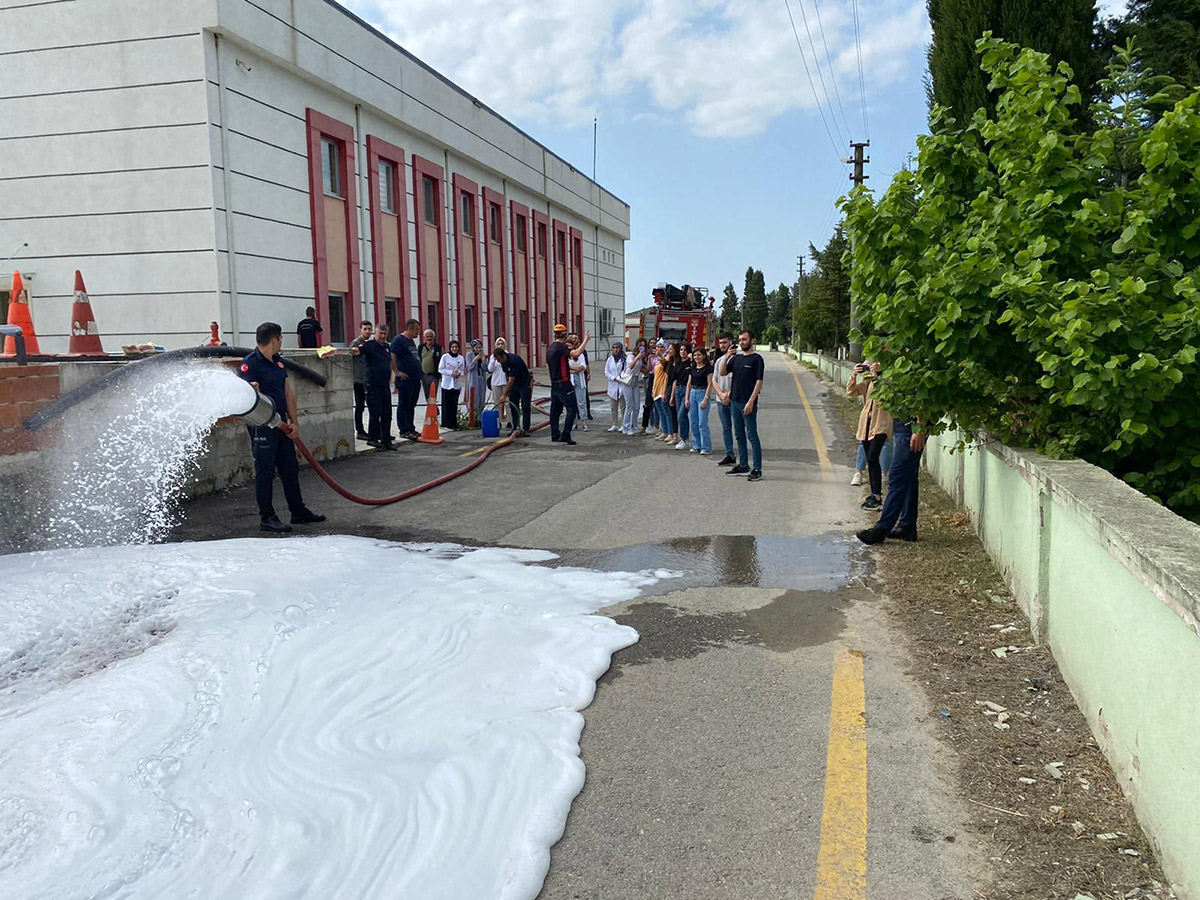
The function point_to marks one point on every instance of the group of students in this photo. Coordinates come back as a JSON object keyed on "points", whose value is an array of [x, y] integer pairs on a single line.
{"points": [[672, 386]]}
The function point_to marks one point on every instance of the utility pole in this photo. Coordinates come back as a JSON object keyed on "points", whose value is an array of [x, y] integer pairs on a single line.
{"points": [[858, 161]]}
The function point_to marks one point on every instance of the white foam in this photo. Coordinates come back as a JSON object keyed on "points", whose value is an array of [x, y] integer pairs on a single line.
{"points": [[325, 717], [123, 460]]}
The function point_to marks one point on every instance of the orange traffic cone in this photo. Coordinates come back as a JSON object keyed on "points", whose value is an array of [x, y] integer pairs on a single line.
{"points": [[18, 314], [430, 433], [85, 336], [214, 338]]}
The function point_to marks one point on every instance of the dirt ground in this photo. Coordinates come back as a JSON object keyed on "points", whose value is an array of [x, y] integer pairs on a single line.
{"points": [[1050, 814]]}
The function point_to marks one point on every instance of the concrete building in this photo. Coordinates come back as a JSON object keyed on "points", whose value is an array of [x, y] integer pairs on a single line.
{"points": [[241, 160]]}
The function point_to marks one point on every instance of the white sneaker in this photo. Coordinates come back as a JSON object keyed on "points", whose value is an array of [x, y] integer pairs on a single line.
{"points": [[706, 453], [682, 445], [583, 425], [857, 479], [693, 450], [613, 428]]}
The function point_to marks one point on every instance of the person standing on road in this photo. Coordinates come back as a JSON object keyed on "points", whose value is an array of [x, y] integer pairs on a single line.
{"points": [[308, 331], [408, 378], [650, 410], [272, 449], [579, 375], [562, 393], [722, 383], [615, 367], [453, 369], [636, 369], [476, 378], [360, 390], [496, 371], [662, 388], [699, 387], [874, 427], [898, 518], [746, 373], [431, 356], [678, 398], [518, 389], [379, 367]]}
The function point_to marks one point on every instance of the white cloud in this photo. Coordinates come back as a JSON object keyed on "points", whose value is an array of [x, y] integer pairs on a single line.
{"points": [[726, 66]]}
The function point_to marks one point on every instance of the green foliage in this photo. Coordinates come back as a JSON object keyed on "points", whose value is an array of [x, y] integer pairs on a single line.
{"points": [[772, 336], [1167, 33], [822, 315], [754, 302], [1041, 282], [1064, 29], [731, 316], [779, 302]]}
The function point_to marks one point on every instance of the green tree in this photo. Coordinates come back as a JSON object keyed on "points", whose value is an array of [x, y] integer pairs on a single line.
{"points": [[754, 302], [781, 311], [1029, 288], [822, 318], [730, 314], [1065, 29], [1167, 33]]}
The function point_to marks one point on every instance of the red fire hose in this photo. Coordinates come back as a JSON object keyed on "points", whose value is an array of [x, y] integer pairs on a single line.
{"points": [[420, 488]]}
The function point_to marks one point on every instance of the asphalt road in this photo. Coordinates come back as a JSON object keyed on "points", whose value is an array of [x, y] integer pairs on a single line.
{"points": [[724, 751]]}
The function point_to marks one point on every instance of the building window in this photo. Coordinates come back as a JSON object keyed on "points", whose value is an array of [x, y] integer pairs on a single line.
{"points": [[560, 249], [387, 187], [544, 321], [337, 318], [431, 313], [494, 222], [520, 234], [497, 323], [429, 190], [391, 315], [469, 325], [468, 213], [522, 329], [331, 168], [578, 252], [541, 241]]}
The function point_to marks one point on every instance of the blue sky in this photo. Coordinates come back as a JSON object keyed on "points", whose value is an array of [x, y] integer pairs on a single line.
{"points": [[708, 125]]}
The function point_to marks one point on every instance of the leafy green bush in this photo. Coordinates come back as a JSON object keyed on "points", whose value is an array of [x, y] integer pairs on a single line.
{"points": [[773, 336], [1042, 283]]}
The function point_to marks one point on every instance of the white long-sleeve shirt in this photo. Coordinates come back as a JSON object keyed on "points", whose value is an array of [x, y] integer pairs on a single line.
{"points": [[612, 368], [499, 379], [449, 367]]}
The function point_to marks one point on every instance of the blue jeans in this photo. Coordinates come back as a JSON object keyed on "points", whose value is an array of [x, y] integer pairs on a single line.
{"points": [[681, 414], [581, 399], [726, 417], [746, 426], [900, 505], [885, 458], [698, 420], [666, 416]]}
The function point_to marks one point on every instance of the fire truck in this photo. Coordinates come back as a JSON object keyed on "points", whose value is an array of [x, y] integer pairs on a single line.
{"points": [[679, 314]]}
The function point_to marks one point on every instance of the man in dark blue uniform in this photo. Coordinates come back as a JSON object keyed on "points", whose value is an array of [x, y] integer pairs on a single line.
{"points": [[518, 390], [408, 378], [308, 330], [378, 369], [562, 392], [273, 450]]}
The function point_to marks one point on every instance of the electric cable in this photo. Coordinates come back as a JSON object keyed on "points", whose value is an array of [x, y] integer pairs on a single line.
{"points": [[817, 63], [833, 143], [829, 61], [862, 82]]}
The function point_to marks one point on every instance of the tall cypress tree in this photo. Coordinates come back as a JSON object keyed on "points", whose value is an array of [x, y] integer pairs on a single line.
{"points": [[754, 303], [730, 315], [1167, 33], [1064, 29]]}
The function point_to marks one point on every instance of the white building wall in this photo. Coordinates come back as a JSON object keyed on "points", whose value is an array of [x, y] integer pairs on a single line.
{"points": [[189, 133], [102, 112]]}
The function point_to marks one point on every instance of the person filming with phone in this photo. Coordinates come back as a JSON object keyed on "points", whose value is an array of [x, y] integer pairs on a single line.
{"points": [[874, 427]]}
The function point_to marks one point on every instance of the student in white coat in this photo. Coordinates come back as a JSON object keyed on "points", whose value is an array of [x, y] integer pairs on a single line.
{"points": [[614, 366]]}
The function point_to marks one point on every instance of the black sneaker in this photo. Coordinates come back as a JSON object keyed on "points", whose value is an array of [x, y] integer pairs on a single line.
{"points": [[755, 475], [387, 446], [308, 517], [372, 442], [361, 435], [872, 535], [273, 524], [568, 440], [904, 534], [738, 470], [727, 461], [554, 438], [872, 502]]}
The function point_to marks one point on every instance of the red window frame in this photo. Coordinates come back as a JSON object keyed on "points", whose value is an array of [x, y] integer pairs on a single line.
{"points": [[575, 260], [490, 198], [318, 126], [379, 150], [560, 240], [463, 185], [521, 211], [422, 167], [541, 281]]}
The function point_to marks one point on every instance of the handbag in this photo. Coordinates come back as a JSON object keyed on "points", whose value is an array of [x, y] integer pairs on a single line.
{"points": [[626, 377]]}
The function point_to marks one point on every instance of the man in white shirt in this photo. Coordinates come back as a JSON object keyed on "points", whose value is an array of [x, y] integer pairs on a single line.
{"points": [[499, 379], [722, 384], [579, 376]]}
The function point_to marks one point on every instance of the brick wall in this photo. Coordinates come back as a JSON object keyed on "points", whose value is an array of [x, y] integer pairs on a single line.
{"points": [[23, 391]]}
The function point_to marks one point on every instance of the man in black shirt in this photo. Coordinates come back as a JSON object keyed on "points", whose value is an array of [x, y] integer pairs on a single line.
{"points": [[746, 370], [518, 387], [408, 378], [562, 392], [378, 369], [308, 330]]}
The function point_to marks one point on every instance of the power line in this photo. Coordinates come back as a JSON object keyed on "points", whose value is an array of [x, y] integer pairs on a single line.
{"points": [[817, 62], [832, 75], [832, 142], [862, 82]]}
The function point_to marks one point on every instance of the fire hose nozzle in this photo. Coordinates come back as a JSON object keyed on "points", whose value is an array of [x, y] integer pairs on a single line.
{"points": [[262, 414]]}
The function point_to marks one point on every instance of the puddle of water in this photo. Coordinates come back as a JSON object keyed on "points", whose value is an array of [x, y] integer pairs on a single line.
{"points": [[821, 563]]}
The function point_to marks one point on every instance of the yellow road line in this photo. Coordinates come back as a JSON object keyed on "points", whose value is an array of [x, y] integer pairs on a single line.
{"points": [[479, 450], [842, 859], [818, 438]]}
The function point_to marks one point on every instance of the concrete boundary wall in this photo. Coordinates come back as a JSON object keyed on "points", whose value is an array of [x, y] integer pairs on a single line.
{"points": [[1110, 581]]}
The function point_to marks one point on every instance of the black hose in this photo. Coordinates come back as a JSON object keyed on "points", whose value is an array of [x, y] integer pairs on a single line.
{"points": [[51, 412]]}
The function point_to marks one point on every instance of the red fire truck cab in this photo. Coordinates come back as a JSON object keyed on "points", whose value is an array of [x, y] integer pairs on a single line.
{"points": [[678, 314]]}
